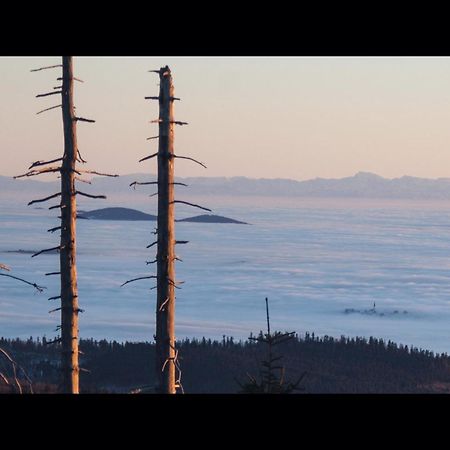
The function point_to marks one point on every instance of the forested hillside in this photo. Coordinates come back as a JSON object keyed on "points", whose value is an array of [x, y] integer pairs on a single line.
{"points": [[345, 365]]}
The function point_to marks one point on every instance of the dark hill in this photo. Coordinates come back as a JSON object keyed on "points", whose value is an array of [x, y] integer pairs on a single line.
{"points": [[116, 214], [133, 214], [211, 218]]}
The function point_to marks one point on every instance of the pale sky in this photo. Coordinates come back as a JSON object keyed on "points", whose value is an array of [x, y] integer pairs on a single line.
{"points": [[296, 118]]}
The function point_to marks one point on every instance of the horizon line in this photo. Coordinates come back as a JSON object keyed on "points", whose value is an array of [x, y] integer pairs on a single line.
{"points": [[359, 173]]}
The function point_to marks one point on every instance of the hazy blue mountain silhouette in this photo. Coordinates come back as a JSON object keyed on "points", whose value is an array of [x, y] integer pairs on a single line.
{"points": [[360, 185]]}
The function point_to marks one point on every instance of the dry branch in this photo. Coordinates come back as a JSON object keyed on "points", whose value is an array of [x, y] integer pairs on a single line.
{"points": [[82, 119], [52, 273], [83, 181], [68, 79], [5, 380], [152, 137], [191, 204], [36, 286], [48, 109], [190, 159], [89, 195], [94, 172], [54, 298], [149, 157], [46, 250], [80, 157], [52, 230], [41, 200], [48, 93], [163, 304], [35, 172], [152, 244], [136, 279], [57, 206], [172, 283], [15, 365], [43, 163], [55, 341], [136, 183], [47, 67]]}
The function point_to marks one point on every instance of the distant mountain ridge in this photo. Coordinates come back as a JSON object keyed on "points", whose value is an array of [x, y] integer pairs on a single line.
{"points": [[360, 185]]}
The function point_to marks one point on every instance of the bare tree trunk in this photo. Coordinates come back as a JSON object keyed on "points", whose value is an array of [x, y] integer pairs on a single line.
{"points": [[68, 206], [69, 289], [165, 309]]}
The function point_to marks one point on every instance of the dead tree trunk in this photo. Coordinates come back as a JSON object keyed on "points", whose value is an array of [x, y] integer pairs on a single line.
{"points": [[168, 370], [165, 306], [68, 270], [69, 289]]}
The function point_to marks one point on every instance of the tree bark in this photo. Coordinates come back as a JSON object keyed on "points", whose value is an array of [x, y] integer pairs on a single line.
{"points": [[165, 307], [69, 289]]}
